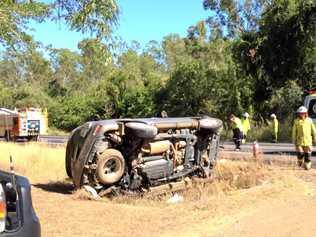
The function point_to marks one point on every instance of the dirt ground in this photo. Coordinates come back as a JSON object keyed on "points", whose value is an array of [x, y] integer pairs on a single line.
{"points": [[282, 205]]}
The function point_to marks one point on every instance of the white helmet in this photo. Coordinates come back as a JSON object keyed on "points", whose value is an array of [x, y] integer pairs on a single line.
{"points": [[246, 115], [272, 116], [301, 109]]}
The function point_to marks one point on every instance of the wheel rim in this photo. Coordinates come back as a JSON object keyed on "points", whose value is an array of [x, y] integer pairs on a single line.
{"points": [[111, 167]]}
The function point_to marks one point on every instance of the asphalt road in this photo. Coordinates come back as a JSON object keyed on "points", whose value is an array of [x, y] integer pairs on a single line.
{"points": [[264, 148], [53, 139], [228, 147]]}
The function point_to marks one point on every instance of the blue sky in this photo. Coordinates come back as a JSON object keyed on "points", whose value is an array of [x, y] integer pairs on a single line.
{"points": [[140, 20]]}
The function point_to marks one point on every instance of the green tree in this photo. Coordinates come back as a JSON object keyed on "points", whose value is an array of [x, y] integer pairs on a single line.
{"points": [[95, 61], [14, 19], [285, 99], [66, 66], [186, 92], [88, 16], [175, 52], [125, 101], [229, 18], [281, 51]]}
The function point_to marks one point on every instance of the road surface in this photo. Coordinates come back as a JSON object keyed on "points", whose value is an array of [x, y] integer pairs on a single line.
{"points": [[53, 139], [265, 148]]}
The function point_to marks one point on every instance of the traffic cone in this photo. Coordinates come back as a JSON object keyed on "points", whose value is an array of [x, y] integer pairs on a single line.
{"points": [[255, 149]]}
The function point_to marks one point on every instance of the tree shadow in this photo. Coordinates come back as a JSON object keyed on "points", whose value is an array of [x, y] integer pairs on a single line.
{"points": [[62, 187]]}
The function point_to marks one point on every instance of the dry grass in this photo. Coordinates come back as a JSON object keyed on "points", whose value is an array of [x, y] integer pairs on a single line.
{"points": [[239, 187], [230, 176], [39, 162]]}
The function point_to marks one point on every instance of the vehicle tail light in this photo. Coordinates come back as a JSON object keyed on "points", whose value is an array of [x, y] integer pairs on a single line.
{"points": [[311, 92], [97, 130], [3, 210]]}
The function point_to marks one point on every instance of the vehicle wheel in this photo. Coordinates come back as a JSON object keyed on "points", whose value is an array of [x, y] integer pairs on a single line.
{"points": [[110, 166], [69, 154]]}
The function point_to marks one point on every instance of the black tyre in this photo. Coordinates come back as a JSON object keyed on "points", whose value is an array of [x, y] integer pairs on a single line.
{"points": [[142, 130], [69, 154], [110, 166], [211, 124]]}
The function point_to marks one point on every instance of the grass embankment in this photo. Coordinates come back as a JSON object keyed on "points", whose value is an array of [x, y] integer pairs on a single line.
{"points": [[56, 132], [39, 162], [238, 190], [44, 163]]}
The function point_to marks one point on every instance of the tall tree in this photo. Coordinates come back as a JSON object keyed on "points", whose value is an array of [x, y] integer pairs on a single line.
{"points": [[89, 16], [66, 66], [96, 60], [96, 17], [14, 19], [232, 17], [174, 49], [282, 50]]}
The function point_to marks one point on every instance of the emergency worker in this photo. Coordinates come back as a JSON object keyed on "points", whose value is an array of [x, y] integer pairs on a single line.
{"points": [[274, 128], [245, 126], [164, 114], [237, 128], [303, 134]]}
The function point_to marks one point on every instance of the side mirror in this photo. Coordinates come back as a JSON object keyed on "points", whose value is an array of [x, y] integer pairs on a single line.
{"points": [[10, 192]]}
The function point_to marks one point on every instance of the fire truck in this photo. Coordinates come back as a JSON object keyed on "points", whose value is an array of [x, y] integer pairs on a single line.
{"points": [[26, 123], [310, 104]]}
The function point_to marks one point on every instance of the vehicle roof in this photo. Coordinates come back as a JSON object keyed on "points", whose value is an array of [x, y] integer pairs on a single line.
{"points": [[7, 111]]}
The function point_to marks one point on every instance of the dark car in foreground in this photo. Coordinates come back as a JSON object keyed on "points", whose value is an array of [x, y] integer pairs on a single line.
{"points": [[135, 155], [17, 216]]}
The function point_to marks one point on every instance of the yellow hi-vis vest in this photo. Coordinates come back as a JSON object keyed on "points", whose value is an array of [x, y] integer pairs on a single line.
{"points": [[275, 125], [303, 131], [246, 125], [236, 123]]}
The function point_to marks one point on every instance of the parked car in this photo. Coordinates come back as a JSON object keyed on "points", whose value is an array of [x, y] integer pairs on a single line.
{"points": [[17, 216], [136, 154]]}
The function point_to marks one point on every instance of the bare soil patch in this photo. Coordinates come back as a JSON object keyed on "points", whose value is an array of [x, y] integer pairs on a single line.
{"points": [[244, 195], [247, 198]]}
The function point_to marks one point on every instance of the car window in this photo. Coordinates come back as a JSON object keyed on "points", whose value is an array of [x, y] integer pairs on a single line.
{"points": [[312, 108]]}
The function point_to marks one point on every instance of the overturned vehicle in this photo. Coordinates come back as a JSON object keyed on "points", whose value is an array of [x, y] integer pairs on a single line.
{"points": [[135, 155]]}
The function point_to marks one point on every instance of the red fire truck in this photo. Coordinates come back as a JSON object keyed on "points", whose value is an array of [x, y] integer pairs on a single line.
{"points": [[26, 123]]}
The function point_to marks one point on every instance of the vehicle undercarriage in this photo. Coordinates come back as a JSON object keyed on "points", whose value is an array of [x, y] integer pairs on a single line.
{"points": [[136, 155]]}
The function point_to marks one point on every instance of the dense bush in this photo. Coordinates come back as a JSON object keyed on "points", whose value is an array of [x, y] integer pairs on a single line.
{"points": [[221, 67]]}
